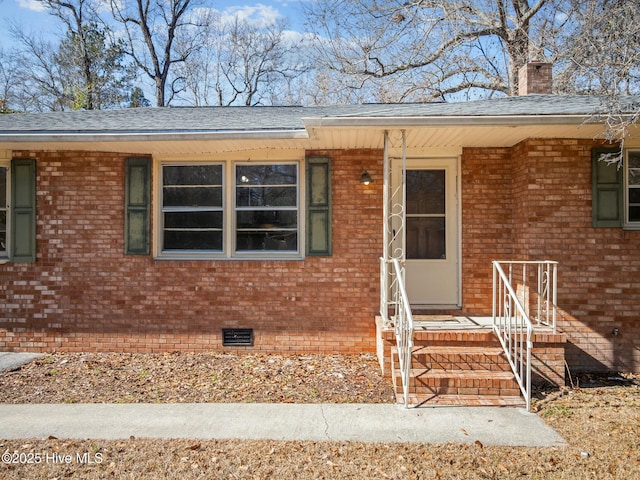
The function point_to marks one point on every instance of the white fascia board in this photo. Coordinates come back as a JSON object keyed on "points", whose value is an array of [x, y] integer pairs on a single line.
{"points": [[444, 121], [25, 137]]}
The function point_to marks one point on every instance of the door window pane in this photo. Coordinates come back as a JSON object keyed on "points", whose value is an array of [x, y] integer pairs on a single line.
{"points": [[426, 238], [426, 220], [425, 192]]}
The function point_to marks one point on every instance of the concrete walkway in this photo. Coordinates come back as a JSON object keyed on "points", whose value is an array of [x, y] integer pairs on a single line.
{"points": [[277, 421], [272, 421]]}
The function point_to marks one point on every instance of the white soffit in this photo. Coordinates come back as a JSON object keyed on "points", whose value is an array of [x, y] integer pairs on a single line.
{"points": [[319, 137]]}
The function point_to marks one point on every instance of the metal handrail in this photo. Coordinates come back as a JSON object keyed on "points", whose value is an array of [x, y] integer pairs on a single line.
{"points": [[403, 322], [541, 306], [511, 314], [513, 329]]}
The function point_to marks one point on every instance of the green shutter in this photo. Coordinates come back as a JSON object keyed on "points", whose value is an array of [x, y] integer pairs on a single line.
{"points": [[607, 191], [318, 206], [23, 210], [137, 206]]}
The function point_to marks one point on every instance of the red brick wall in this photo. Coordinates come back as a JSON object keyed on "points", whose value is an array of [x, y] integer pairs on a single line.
{"points": [[549, 218], [487, 222], [84, 294], [532, 201]]}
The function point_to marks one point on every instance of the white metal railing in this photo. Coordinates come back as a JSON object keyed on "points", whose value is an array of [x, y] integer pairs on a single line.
{"points": [[394, 221], [384, 292], [402, 319], [514, 307]]}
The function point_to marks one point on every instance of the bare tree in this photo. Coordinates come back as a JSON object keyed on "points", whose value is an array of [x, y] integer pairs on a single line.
{"points": [[242, 63], [160, 34], [431, 48], [597, 52], [10, 80], [82, 70], [41, 87]]}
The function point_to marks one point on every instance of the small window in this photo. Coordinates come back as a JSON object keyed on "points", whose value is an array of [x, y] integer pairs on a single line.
{"points": [[4, 209], [192, 208]]}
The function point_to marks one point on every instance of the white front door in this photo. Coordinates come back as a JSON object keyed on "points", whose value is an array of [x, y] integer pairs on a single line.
{"points": [[432, 242]]}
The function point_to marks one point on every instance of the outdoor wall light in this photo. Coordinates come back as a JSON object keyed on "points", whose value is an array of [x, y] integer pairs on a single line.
{"points": [[365, 178]]}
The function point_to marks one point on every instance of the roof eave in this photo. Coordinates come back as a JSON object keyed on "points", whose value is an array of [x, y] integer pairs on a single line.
{"points": [[70, 137], [444, 121]]}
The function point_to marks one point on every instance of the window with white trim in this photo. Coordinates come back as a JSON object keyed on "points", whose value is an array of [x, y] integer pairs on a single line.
{"points": [[229, 210], [632, 189], [4, 209], [192, 208], [266, 208]]}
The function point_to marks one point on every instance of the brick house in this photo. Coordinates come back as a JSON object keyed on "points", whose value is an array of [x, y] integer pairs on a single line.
{"points": [[257, 228]]}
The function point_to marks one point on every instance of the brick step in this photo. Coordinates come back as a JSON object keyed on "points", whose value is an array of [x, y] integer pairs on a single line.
{"points": [[459, 358], [455, 338], [463, 400], [457, 367], [463, 382]]}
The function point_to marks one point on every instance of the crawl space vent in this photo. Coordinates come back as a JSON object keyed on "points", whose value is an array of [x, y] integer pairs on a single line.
{"points": [[237, 337]]}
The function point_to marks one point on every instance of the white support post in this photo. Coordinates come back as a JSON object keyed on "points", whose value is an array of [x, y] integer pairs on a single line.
{"points": [[404, 199], [384, 264]]}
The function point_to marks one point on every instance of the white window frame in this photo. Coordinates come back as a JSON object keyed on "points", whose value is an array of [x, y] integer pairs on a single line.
{"points": [[4, 250], [229, 251], [236, 209], [163, 210], [628, 224]]}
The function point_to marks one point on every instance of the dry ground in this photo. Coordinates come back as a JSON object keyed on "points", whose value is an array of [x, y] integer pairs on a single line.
{"points": [[600, 420], [196, 378]]}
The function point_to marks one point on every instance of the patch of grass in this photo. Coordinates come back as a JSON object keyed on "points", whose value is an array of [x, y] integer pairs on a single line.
{"points": [[45, 361], [558, 410]]}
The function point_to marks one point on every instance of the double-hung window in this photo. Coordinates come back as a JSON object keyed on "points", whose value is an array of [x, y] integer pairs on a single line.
{"points": [[4, 209], [266, 208], [230, 210], [632, 189], [192, 208]]}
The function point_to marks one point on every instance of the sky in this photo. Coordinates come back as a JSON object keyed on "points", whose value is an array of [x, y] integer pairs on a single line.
{"points": [[30, 15]]}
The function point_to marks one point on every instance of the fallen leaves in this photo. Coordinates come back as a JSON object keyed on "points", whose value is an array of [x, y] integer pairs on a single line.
{"points": [[602, 421], [196, 378]]}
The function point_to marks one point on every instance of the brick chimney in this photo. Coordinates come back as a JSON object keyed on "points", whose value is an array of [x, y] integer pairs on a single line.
{"points": [[535, 77]]}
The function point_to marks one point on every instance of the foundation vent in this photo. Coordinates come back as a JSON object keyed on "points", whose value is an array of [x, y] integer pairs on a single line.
{"points": [[237, 337]]}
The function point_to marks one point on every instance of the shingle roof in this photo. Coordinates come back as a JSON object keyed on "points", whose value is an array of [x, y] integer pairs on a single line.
{"points": [[176, 120]]}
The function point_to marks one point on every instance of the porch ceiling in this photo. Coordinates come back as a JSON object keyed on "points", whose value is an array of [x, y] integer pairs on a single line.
{"points": [[450, 137], [315, 137]]}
